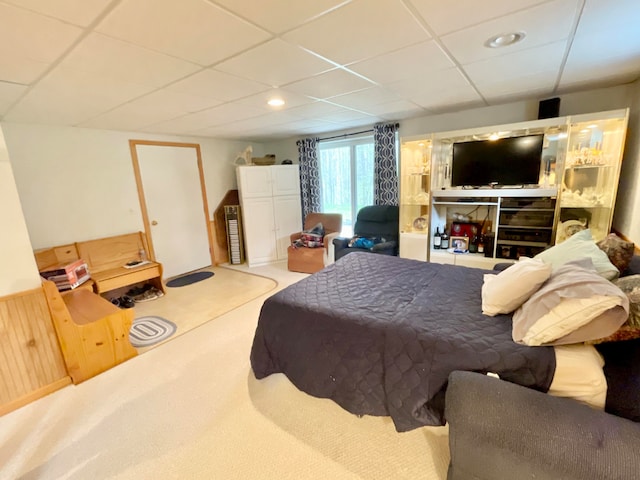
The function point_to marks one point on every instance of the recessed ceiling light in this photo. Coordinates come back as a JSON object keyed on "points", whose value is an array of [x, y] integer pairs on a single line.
{"points": [[276, 102], [504, 39]]}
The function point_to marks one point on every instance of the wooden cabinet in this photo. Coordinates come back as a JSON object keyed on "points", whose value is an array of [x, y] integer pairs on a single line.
{"points": [[271, 210]]}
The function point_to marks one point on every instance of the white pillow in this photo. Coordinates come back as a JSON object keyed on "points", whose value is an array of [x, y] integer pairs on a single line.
{"points": [[506, 291], [575, 305], [580, 245]]}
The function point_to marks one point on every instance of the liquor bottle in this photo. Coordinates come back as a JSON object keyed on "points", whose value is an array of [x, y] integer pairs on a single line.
{"points": [[481, 243], [444, 239], [488, 243], [437, 239], [473, 243]]}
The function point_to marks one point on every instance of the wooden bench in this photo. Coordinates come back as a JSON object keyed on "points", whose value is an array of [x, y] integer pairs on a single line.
{"points": [[106, 259], [93, 333]]}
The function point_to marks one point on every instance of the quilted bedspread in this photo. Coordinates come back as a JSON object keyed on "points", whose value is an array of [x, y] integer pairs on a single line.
{"points": [[379, 335]]}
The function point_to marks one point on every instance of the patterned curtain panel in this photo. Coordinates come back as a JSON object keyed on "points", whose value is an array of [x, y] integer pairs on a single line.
{"points": [[309, 175], [385, 188]]}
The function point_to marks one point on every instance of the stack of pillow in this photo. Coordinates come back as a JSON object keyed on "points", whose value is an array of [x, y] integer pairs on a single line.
{"points": [[570, 293]]}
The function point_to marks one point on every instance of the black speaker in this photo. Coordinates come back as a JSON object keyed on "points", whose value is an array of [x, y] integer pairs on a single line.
{"points": [[549, 108]]}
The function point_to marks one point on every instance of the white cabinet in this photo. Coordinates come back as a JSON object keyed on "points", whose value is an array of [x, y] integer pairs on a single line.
{"points": [[271, 211], [415, 182]]}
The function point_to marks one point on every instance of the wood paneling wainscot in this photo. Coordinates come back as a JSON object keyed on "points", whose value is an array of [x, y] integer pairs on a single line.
{"points": [[31, 363]]}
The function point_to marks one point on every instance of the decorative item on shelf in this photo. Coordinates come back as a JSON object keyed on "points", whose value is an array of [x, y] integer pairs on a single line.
{"points": [[266, 160], [459, 244], [422, 198], [420, 223], [244, 157]]}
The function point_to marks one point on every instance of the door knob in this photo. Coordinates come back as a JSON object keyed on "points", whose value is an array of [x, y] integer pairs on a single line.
{"points": [[154, 223]]}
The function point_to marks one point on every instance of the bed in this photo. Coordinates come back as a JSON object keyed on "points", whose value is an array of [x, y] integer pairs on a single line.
{"points": [[380, 335]]}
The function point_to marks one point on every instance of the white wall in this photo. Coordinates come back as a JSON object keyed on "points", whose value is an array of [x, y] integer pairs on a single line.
{"points": [[78, 184], [627, 213], [15, 248]]}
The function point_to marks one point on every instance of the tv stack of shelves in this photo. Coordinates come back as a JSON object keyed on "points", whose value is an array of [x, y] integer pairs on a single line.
{"points": [[576, 189]]}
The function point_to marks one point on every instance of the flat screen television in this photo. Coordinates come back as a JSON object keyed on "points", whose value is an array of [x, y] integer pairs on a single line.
{"points": [[502, 162]]}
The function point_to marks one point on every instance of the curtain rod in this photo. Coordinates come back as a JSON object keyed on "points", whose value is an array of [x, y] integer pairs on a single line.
{"points": [[344, 135]]}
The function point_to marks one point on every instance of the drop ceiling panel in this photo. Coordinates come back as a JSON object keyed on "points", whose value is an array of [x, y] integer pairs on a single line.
{"points": [[546, 23], [329, 84], [275, 63], [215, 84], [210, 117], [194, 30], [595, 48], [361, 29], [511, 68], [121, 63], [441, 88], [114, 58], [30, 42], [364, 99], [396, 110], [148, 110], [291, 99], [78, 12], [68, 97], [316, 110], [414, 61], [9, 93], [279, 15], [446, 17]]}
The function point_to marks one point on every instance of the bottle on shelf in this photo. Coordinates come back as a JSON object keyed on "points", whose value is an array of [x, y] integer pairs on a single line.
{"points": [[437, 239], [488, 243], [444, 239], [473, 242], [480, 243]]}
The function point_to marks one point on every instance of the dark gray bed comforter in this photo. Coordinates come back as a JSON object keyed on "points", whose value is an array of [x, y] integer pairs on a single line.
{"points": [[379, 335]]}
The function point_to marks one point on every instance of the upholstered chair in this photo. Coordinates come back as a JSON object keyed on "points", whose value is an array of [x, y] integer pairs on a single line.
{"points": [[377, 222], [310, 260]]}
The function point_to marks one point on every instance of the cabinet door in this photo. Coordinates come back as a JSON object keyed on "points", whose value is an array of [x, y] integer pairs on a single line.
{"points": [[259, 230], [254, 181], [285, 180], [288, 220]]}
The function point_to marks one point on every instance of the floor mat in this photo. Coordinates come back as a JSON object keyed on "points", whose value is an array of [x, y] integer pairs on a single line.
{"points": [[146, 331], [188, 279]]}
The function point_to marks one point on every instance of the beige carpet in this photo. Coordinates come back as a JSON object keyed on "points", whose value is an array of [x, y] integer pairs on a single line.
{"points": [[192, 409]]}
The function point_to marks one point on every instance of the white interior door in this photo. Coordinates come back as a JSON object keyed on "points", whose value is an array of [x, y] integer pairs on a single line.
{"points": [[173, 196]]}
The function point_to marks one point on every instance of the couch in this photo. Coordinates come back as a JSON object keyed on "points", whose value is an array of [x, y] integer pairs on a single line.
{"points": [[499, 430], [378, 223]]}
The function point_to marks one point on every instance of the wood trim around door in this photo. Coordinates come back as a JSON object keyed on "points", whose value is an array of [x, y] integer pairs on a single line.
{"points": [[143, 204]]}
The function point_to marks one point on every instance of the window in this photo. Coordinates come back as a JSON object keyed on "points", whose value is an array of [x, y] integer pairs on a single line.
{"points": [[346, 178]]}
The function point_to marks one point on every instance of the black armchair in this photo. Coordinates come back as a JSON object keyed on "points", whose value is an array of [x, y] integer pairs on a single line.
{"points": [[379, 222]]}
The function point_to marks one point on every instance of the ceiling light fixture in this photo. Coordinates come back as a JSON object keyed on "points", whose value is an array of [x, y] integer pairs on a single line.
{"points": [[504, 39], [276, 102]]}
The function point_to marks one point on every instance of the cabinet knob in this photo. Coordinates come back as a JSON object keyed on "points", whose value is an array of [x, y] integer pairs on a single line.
{"points": [[154, 223]]}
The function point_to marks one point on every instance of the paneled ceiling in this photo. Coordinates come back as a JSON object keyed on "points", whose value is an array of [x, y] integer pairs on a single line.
{"points": [[208, 67]]}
